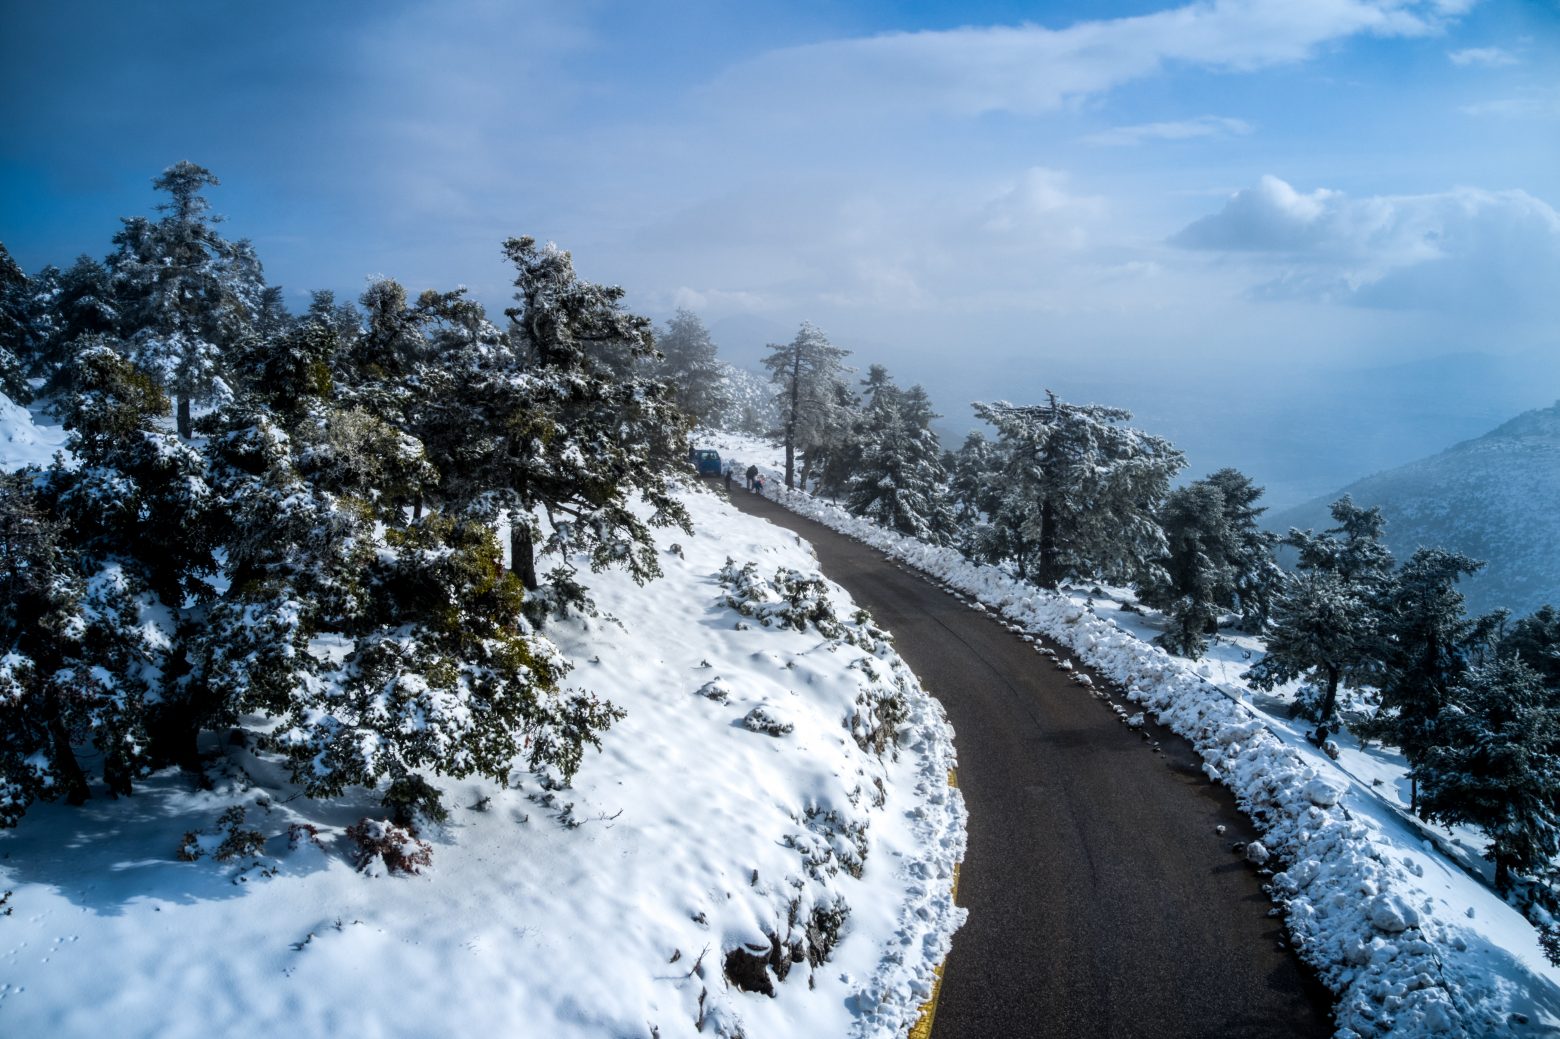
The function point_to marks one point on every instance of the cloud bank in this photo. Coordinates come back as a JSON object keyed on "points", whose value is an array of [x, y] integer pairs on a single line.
{"points": [[1465, 251]]}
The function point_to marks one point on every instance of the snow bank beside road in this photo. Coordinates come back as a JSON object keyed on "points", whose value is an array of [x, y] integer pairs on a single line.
{"points": [[604, 910], [1391, 930]]}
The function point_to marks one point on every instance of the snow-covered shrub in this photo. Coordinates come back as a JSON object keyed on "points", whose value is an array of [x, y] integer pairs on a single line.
{"points": [[795, 600], [765, 719], [384, 847]]}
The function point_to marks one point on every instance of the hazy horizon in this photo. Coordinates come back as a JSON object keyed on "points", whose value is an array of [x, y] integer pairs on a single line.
{"points": [[1229, 217]]}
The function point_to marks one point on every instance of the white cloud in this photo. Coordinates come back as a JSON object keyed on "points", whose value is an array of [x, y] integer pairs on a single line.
{"points": [[1489, 57], [1028, 69], [1465, 250], [1181, 130], [1040, 206]]}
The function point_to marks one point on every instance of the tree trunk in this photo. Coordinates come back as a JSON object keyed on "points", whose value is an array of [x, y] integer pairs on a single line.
{"points": [[1050, 566], [522, 554], [64, 760], [1502, 873], [186, 425], [1330, 701], [790, 460]]}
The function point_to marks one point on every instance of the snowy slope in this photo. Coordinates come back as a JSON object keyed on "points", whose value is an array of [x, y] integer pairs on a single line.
{"points": [[1410, 942], [26, 438], [602, 910], [1495, 498]]}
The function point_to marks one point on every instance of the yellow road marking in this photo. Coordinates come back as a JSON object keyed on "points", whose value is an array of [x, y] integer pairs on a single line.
{"points": [[922, 1029]]}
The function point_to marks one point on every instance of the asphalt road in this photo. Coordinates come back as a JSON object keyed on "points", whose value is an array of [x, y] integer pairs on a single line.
{"points": [[1102, 899]]}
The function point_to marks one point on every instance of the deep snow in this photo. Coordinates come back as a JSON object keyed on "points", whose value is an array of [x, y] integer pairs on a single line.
{"points": [[601, 910]]}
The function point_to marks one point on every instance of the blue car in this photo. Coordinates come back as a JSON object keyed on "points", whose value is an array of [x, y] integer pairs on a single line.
{"points": [[707, 462]]}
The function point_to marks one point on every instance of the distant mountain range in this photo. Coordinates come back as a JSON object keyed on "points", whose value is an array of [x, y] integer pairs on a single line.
{"points": [[1495, 498]]}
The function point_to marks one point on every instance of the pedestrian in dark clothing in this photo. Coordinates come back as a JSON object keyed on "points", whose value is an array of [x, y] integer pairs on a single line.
{"points": [[752, 474], [758, 485], [728, 479]]}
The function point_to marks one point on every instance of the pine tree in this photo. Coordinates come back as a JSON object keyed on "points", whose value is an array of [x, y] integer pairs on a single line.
{"points": [[189, 293], [1218, 560], [1496, 765], [18, 342], [1078, 491], [899, 480], [136, 504], [1425, 645], [807, 371], [571, 429], [77, 307], [1535, 640], [1195, 579], [1324, 624], [689, 368], [1250, 549]]}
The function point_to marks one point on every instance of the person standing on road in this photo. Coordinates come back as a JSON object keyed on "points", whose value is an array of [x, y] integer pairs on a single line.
{"points": [[728, 478], [758, 486], [752, 474]]}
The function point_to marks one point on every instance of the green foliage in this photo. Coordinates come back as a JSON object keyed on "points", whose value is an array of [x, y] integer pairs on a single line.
{"points": [[1497, 765], [1324, 624], [1075, 492], [1217, 559]]}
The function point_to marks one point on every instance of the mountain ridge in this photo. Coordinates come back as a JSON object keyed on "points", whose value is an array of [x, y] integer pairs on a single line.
{"points": [[1495, 497]]}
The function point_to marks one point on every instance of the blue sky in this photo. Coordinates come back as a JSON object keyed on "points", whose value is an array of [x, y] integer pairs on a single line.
{"points": [[988, 197]]}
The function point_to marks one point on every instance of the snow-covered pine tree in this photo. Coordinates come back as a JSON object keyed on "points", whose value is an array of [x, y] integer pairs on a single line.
{"points": [[18, 344], [1195, 579], [1536, 641], [1323, 625], [572, 427], [749, 402], [1250, 551], [807, 372], [137, 508], [443, 676], [1496, 765], [74, 307], [80, 648], [690, 369], [898, 479], [1425, 646], [187, 294], [1218, 560], [1078, 490]]}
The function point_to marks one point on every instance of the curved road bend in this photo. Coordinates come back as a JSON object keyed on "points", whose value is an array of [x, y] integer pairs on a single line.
{"points": [[1102, 901]]}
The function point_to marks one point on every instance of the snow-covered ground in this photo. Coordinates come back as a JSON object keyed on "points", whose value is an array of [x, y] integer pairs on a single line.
{"points": [[603, 910], [1411, 940]]}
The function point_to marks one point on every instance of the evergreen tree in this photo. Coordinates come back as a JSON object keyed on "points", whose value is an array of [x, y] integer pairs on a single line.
{"points": [[136, 505], [77, 308], [690, 369], [1249, 548], [1535, 640], [1324, 624], [1426, 641], [189, 293], [1078, 491], [1195, 579], [1496, 765], [18, 341], [572, 431], [807, 371], [1217, 560], [971, 477], [899, 480]]}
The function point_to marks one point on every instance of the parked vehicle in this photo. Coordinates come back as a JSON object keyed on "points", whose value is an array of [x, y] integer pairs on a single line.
{"points": [[705, 460]]}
